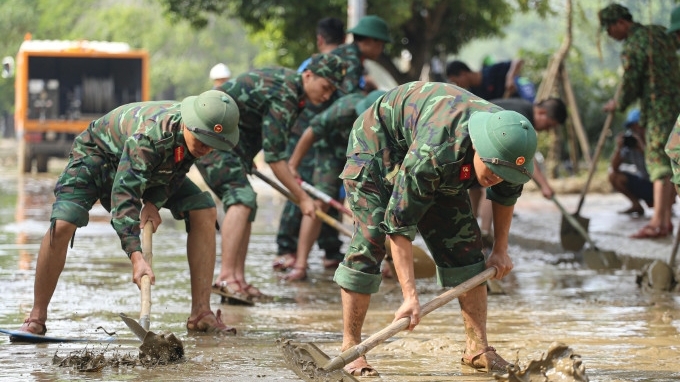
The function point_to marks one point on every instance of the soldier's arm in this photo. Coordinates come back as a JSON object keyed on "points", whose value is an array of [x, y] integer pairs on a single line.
{"points": [[415, 183], [137, 160]]}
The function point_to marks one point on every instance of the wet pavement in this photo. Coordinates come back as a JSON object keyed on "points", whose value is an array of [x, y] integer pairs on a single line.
{"points": [[621, 332]]}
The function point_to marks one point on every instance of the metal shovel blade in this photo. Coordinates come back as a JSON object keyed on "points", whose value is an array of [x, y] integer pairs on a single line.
{"points": [[304, 359], [136, 328], [570, 237]]}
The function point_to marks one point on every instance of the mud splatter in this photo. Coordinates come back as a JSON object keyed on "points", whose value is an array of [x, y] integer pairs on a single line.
{"points": [[560, 364], [307, 361], [87, 360]]}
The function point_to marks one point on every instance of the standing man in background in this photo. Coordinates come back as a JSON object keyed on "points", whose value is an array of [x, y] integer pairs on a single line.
{"points": [[651, 76]]}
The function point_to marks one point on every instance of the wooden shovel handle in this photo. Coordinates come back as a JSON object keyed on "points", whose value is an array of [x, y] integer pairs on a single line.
{"points": [[146, 280], [598, 150], [322, 215], [357, 351]]}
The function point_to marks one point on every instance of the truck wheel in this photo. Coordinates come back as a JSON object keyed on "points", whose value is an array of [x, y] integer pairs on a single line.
{"points": [[27, 162], [41, 162]]}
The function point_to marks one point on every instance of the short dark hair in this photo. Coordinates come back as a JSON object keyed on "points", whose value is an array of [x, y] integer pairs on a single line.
{"points": [[455, 68], [554, 109], [332, 30]]}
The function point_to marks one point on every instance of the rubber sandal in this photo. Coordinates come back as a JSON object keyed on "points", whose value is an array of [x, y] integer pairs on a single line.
{"points": [[650, 232], [218, 328], [360, 368], [296, 274], [250, 290], [232, 296], [633, 211], [284, 262], [497, 362], [26, 327], [331, 263]]}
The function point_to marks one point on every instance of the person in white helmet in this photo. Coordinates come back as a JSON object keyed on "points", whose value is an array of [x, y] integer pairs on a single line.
{"points": [[219, 74]]}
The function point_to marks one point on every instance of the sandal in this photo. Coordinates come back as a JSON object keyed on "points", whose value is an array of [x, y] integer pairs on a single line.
{"points": [[360, 368], [218, 328], [230, 295], [497, 362], [26, 327], [633, 211], [650, 232], [284, 262], [250, 290], [331, 264], [296, 274]]}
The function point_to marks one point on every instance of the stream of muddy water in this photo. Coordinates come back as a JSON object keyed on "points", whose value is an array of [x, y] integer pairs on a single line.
{"points": [[620, 332]]}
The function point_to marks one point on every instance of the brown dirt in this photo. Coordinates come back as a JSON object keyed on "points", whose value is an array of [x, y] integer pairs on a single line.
{"points": [[559, 364]]}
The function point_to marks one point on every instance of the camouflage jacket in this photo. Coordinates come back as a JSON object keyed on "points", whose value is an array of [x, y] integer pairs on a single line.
{"points": [[350, 84], [139, 141], [269, 101], [351, 55], [650, 70], [419, 131], [334, 124]]}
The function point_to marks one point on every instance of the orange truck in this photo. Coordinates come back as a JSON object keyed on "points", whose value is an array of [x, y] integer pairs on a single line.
{"points": [[61, 86]]}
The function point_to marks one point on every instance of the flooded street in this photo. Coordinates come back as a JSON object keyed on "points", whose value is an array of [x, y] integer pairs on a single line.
{"points": [[620, 332]]}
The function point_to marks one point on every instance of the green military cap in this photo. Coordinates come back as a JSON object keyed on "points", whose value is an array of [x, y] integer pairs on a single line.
{"points": [[367, 101], [612, 13], [675, 20], [330, 67], [372, 26], [505, 142], [212, 117]]}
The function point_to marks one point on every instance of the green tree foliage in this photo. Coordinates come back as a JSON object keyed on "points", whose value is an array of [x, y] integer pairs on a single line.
{"points": [[417, 26], [180, 56]]}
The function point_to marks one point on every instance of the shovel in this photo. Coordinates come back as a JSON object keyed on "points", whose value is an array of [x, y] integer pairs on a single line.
{"points": [[593, 257], [159, 348], [311, 364], [423, 265], [570, 237]]}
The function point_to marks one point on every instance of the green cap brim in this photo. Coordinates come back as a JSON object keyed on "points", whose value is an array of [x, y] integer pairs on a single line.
{"points": [[482, 144], [191, 119]]}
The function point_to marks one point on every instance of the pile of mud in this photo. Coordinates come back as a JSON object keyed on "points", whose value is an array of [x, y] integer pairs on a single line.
{"points": [[88, 360], [560, 364]]}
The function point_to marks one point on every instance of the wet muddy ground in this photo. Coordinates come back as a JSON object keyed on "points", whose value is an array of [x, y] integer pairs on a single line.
{"points": [[620, 332]]}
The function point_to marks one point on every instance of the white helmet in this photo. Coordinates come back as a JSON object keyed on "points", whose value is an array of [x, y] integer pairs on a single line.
{"points": [[220, 71]]}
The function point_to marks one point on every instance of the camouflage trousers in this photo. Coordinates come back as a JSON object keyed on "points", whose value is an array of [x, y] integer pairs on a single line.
{"points": [[673, 151], [291, 216], [88, 179], [448, 228], [659, 125], [225, 174]]}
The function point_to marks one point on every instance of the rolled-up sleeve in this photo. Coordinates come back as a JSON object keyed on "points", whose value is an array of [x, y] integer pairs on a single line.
{"points": [[504, 193]]}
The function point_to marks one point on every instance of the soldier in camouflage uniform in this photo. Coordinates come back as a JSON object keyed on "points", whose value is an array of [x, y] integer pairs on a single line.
{"points": [[330, 33], [328, 132], [370, 36], [650, 75], [138, 155], [673, 151], [269, 101], [411, 158]]}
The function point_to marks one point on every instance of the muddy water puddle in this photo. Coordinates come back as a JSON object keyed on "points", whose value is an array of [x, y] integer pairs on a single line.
{"points": [[620, 332]]}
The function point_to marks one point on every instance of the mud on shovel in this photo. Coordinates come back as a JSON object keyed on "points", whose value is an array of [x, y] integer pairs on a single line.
{"points": [[592, 256], [156, 348], [312, 365]]}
